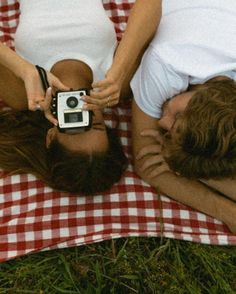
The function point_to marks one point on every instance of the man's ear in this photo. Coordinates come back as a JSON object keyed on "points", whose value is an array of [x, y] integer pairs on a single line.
{"points": [[51, 134]]}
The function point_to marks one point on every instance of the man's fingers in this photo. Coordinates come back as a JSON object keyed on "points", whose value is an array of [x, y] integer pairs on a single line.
{"points": [[153, 160], [149, 149], [159, 170], [153, 133]]}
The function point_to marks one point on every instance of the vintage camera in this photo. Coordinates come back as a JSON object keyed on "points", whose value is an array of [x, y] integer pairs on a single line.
{"points": [[67, 108]]}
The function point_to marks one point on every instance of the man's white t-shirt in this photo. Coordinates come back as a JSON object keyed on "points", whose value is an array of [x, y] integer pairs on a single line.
{"points": [[195, 42], [53, 30]]}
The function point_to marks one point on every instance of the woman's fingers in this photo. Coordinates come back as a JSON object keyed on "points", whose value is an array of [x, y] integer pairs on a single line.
{"points": [[93, 103], [56, 83], [102, 93], [51, 118], [105, 93], [46, 107], [34, 102], [35, 91], [103, 83]]}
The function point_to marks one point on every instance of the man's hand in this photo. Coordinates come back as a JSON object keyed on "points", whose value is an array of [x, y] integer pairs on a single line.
{"points": [[154, 164]]}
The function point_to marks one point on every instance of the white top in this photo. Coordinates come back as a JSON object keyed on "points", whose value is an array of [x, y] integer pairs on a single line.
{"points": [[195, 42], [53, 30]]}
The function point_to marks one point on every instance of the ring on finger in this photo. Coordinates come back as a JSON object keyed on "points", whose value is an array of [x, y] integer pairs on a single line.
{"points": [[38, 107]]}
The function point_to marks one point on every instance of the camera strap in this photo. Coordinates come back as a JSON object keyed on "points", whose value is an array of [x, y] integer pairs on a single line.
{"points": [[43, 77]]}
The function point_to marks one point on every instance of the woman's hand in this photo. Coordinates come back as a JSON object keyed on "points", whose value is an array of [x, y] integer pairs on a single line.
{"points": [[155, 161], [45, 106], [105, 93], [34, 89]]}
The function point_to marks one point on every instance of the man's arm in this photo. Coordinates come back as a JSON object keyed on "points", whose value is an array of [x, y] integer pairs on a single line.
{"points": [[224, 186], [191, 193], [142, 25]]}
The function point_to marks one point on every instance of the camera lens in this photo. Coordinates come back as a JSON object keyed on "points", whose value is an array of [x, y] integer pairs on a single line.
{"points": [[72, 102]]}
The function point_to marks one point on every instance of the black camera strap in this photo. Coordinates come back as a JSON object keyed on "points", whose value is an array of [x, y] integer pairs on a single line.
{"points": [[43, 77]]}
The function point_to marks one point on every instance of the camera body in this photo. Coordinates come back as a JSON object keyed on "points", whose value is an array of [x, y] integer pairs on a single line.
{"points": [[67, 108]]}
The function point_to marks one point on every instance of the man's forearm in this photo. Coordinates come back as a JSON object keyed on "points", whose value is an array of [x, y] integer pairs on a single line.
{"points": [[142, 25], [197, 196], [224, 186]]}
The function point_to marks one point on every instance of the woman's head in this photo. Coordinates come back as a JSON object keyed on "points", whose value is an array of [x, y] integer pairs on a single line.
{"points": [[88, 171], [86, 166], [88, 162], [202, 141], [93, 140]]}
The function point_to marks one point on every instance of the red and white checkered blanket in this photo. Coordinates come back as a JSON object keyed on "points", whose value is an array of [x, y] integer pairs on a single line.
{"points": [[33, 217]]}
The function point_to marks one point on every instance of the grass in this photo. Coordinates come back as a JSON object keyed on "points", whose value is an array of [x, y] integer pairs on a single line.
{"points": [[133, 265]]}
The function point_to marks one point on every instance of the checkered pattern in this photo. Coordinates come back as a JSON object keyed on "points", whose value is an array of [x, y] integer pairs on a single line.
{"points": [[33, 217]]}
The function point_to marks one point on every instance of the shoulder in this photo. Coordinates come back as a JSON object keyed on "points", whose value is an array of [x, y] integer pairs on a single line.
{"points": [[154, 82]]}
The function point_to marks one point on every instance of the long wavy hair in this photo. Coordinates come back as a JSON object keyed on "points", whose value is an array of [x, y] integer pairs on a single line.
{"points": [[23, 150], [204, 141]]}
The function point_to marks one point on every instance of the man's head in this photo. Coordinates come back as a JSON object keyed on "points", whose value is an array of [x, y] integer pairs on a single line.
{"points": [[201, 140]]}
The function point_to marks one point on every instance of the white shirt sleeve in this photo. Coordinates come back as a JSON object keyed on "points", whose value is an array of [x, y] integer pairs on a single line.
{"points": [[155, 82]]}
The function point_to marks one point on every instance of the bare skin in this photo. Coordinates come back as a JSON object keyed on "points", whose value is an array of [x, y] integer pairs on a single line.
{"points": [[168, 122]]}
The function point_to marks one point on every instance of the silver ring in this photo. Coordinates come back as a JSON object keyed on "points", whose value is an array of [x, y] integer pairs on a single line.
{"points": [[38, 107]]}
